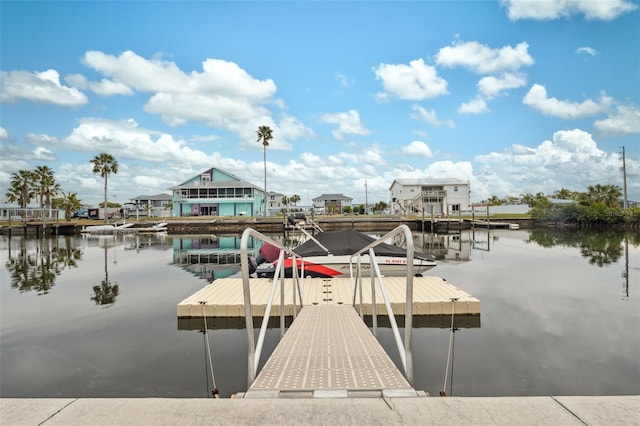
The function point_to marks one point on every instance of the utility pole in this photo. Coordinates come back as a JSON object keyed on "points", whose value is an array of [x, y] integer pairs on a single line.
{"points": [[366, 198], [625, 205]]}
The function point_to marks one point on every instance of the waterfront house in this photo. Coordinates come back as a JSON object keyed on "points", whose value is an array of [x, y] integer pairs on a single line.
{"points": [[438, 197], [216, 192], [274, 203], [331, 203], [158, 205]]}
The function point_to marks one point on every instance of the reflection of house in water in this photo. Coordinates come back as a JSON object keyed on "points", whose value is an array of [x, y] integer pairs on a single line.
{"points": [[210, 257], [139, 242], [444, 246]]}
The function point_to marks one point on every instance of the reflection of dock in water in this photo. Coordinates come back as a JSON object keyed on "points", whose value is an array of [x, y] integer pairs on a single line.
{"points": [[217, 256]]}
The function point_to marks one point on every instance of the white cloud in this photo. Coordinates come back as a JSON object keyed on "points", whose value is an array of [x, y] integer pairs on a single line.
{"points": [[415, 81], [219, 77], [492, 86], [430, 117], [124, 139], [417, 149], [348, 123], [106, 87], [44, 87], [44, 154], [222, 95], [482, 59], [554, 9], [473, 107], [537, 99], [3, 133], [624, 120], [588, 51], [570, 160]]}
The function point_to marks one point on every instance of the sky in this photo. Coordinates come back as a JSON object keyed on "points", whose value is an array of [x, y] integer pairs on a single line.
{"points": [[512, 96]]}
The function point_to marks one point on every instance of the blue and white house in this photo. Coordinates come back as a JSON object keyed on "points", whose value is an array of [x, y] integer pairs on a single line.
{"points": [[216, 192]]}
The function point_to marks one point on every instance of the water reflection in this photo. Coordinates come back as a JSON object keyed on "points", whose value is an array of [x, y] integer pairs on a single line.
{"points": [[209, 257], [552, 322], [106, 292], [37, 262], [599, 247]]}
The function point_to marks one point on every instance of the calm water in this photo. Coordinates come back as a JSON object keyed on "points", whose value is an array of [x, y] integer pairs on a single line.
{"points": [[96, 317]]}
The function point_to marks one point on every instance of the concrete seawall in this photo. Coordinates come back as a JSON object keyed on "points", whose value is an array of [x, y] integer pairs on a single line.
{"points": [[548, 410]]}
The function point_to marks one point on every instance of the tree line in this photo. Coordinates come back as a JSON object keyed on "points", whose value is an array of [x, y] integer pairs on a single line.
{"points": [[40, 184], [599, 205]]}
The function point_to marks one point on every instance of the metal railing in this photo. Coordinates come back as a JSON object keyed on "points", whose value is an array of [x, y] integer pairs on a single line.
{"points": [[404, 349], [255, 349]]}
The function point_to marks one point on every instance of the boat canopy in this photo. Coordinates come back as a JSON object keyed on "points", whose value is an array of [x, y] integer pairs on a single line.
{"points": [[347, 242]]}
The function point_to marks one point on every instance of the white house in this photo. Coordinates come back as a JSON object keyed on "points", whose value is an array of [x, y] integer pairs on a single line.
{"points": [[437, 197]]}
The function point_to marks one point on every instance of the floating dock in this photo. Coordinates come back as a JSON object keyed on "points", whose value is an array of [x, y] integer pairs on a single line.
{"points": [[431, 296]]}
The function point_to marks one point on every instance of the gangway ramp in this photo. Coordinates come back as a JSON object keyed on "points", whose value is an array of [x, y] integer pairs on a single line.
{"points": [[329, 352]]}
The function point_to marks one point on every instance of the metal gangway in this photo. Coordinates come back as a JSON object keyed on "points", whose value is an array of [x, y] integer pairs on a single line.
{"points": [[328, 351]]}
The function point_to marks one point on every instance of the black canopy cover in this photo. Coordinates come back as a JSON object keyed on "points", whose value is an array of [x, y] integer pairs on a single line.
{"points": [[347, 242]]}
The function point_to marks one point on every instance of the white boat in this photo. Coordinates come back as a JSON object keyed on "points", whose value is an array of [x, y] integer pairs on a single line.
{"points": [[106, 229], [328, 254]]}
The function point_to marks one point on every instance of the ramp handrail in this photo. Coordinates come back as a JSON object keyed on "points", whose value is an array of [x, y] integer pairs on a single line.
{"points": [[255, 350], [404, 351]]}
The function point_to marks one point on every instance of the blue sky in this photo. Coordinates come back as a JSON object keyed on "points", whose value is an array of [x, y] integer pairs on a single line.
{"points": [[512, 96]]}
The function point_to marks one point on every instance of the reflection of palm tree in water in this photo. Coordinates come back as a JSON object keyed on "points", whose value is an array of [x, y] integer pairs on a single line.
{"points": [[37, 269], [106, 292]]}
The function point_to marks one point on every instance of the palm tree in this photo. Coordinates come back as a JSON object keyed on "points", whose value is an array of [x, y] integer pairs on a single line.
{"points": [[294, 199], [21, 190], [45, 186], [264, 135], [104, 164], [69, 203], [564, 194], [605, 194]]}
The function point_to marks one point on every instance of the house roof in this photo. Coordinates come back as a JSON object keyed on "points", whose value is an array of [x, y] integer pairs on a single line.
{"points": [[159, 197], [332, 197], [237, 183], [429, 181]]}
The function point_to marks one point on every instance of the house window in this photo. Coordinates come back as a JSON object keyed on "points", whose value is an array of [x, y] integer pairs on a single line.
{"points": [[455, 208], [455, 189]]}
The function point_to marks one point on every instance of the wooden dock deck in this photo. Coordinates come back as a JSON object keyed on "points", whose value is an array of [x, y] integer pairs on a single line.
{"points": [[329, 352], [224, 298]]}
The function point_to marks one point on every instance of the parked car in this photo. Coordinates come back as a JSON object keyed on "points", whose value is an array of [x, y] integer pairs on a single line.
{"points": [[81, 214]]}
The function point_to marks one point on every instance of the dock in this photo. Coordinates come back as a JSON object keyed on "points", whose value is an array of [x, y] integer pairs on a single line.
{"points": [[450, 411], [431, 296], [329, 352]]}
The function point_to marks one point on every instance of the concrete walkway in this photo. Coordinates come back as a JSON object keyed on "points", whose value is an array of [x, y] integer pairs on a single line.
{"points": [[565, 410]]}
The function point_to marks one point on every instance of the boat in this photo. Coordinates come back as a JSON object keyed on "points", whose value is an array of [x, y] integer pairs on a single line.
{"points": [[329, 253], [106, 229], [129, 227]]}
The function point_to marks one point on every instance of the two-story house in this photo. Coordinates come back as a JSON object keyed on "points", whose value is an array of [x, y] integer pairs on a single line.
{"points": [[331, 203], [437, 197], [216, 192]]}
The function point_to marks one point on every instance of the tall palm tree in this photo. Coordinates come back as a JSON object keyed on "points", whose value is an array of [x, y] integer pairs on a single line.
{"points": [[21, 190], [45, 186], [264, 135], [104, 164]]}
